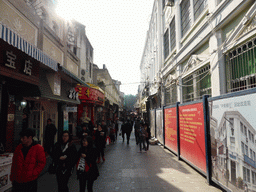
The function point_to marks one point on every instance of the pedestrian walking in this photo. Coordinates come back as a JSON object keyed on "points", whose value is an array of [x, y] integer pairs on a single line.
{"points": [[49, 134], [148, 135], [116, 128], [28, 162], [136, 130], [85, 131], [142, 136], [100, 142], [87, 170], [126, 130], [64, 157]]}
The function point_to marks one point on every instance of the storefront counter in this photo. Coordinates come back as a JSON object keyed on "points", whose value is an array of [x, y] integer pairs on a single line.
{"points": [[5, 171]]}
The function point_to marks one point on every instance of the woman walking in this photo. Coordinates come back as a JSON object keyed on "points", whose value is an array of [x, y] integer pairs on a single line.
{"points": [[87, 170], [63, 157], [100, 142], [148, 135]]}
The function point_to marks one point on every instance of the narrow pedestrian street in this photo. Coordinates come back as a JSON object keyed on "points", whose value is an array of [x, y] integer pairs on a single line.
{"points": [[127, 170]]}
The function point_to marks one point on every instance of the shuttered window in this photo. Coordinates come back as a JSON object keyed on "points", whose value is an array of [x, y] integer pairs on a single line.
{"points": [[166, 44], [185, 16], [199, 6], [173, 35]]}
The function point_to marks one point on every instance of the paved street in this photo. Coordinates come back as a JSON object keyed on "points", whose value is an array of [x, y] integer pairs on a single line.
{"points": [[127, 170]]}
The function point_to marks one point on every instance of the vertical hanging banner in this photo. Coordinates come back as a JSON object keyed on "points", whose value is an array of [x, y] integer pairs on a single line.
{"points": [[192, 135], [159, 126], [152, 123], [171, 129]]}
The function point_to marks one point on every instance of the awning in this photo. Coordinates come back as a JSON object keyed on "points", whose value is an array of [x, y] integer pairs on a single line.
{"points": [[63, 69], [15, 40], [46, 91]]}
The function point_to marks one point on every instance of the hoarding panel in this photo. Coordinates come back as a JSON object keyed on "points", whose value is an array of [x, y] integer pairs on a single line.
{"points": [[152, 123], [170, 116], [233, 146], [159, 126], [192, 135]]}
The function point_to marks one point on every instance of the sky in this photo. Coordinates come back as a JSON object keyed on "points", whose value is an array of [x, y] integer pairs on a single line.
{"points": [[117, 31]]}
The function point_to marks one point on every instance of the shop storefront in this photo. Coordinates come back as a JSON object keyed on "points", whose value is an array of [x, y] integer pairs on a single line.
{"points": [[91, 107]]}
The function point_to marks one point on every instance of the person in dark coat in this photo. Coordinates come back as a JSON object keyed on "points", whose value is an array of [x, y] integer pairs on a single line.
{"points": [[136, 129], [64, 156], [49, 134], [100, 142], [85, 131], [126, 129], [148, 135], [87, 170]]}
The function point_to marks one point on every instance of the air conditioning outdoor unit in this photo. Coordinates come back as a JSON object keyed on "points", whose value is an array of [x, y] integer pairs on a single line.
{"points": [[83, 74], [170, 3]]}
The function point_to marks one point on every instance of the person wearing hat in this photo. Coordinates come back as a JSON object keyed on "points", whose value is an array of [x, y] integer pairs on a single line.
{"points": [[27, 163]]}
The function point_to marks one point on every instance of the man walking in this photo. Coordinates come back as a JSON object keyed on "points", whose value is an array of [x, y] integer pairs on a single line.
{"points": [[49, 134], [28, 162], [126, 129]]}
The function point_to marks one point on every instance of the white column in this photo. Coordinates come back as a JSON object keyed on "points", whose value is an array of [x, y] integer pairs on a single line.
{"points": [[218, 78], [179, 86]]}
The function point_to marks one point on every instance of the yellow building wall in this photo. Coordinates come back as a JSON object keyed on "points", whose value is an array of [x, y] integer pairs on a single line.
{"points": [[52, 50], [72, 66], [14, 20]]}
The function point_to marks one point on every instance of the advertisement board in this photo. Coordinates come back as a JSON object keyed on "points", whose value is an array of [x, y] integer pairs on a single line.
{"points": [[152, 123], [192, 135], [233, 145], [159, 126], [171, 128]]}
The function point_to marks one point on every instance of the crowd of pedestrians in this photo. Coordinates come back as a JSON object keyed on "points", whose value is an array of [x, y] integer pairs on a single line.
{"points": [[30, 157]]}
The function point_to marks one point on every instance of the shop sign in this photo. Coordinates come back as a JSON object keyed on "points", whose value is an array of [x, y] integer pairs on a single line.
{"points": [[71, 109], [90, 94], [73, 94], [18, 65]]}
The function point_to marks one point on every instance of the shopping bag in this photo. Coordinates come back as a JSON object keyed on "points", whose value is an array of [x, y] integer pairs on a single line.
{"points": [[108, 140]]}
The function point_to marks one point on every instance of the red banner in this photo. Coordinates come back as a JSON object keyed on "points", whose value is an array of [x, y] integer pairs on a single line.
{"points": [[90, 95], [171, 128], [192, 135]]}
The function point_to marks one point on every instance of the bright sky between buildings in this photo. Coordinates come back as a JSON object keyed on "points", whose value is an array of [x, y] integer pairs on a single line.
{"points": [[117, 31]]}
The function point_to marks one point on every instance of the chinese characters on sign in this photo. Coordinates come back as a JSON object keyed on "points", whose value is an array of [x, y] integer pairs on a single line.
{"points": [[73, 94], [11, 59]]}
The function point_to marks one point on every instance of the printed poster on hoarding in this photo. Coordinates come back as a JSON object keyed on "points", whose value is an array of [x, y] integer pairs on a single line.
{"points": [[152, 123], [233, 146], [170, 117], [192, 135], [159, 126]]}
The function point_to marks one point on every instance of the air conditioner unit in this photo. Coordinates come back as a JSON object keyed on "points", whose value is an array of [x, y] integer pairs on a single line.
{"points": [[169, 3], [82, 74]]}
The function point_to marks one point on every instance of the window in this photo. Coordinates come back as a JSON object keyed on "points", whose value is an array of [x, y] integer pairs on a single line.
{"points": [[246, 174], [246, 150], [242, 144], [173, 34], [166, 44], [202, 84], [231, 124], [254, 156], [171, 95], [199, 6], [55, 27], [251, 154], [245, 131], [241, 67], [241, 127], [253, 177], [185, 16]]}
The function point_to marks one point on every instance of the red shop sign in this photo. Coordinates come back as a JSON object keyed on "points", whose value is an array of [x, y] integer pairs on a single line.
{"points": [[18, 65], [90, 95]]}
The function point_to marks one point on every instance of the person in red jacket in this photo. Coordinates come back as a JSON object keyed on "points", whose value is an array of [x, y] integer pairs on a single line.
{"points": [[28, 162]]}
